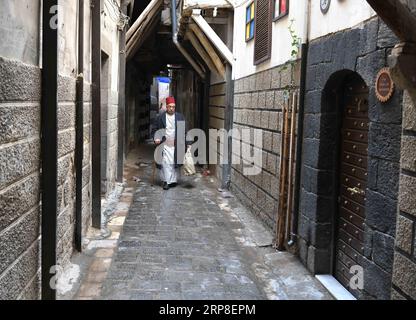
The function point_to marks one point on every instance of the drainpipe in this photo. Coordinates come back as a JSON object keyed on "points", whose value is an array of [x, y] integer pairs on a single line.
{"points": [[49, 146], [299, 143], [96, 113], [122, 97], [178, 45], [229, 112], [79, 125]]}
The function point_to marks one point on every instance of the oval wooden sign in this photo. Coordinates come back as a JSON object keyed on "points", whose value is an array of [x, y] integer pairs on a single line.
{"points": [[384, 85]]}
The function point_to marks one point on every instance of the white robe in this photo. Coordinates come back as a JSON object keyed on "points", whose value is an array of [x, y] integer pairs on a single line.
{"points": [[169, 173]]}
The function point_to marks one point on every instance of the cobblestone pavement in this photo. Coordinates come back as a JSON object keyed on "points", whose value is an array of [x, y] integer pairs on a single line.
{"points": [[192, 243]]}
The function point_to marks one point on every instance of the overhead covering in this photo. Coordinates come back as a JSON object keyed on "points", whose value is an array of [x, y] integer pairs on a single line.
{"points": [[139, 31]]}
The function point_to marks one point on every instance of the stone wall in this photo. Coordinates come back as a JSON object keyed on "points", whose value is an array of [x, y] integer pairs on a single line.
{"points": [[216, 121], [404, 268], [258, 103], [66, 167], [19, 180], [362, 50]]}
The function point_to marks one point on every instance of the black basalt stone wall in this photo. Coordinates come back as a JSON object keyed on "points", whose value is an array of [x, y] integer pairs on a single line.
{"points": [[363, 50]]}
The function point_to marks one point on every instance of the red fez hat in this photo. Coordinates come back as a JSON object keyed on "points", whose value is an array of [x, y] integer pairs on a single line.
{"points": [[170, 100]]}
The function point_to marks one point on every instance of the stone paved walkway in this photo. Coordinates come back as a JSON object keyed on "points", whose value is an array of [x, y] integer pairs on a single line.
{"points": [[191, 243]]}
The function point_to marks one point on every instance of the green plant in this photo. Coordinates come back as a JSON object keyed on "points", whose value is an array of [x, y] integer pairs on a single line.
{"points": [[295, 47]]}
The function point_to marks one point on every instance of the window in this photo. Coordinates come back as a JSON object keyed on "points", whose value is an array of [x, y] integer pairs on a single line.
{"points": [[280, 9], [250, 22], [263, 31]]}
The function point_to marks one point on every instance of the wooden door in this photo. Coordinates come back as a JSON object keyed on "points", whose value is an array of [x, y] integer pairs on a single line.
{"points": [[352, 180]]}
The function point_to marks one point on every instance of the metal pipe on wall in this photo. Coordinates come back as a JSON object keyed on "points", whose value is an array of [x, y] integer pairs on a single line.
{"points": [[122, 97], [79, 127], [304, 60], [96, 113], [229, 113], [178, 45], [49, 146]]}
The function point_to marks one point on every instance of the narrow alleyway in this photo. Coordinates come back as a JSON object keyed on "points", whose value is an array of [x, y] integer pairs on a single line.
{"points": [[191, 243]]}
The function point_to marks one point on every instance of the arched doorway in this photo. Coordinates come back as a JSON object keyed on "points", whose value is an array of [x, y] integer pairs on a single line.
{"points": [[353, 97]]}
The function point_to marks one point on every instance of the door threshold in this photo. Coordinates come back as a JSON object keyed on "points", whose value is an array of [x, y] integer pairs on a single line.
{"points": [[336, 289]]}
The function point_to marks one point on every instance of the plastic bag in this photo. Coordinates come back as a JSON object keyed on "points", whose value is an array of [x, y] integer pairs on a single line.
{"points": [[188, 164]]}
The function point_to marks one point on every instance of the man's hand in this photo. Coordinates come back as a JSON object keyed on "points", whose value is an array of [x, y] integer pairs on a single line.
{"points": [[158, 141]]}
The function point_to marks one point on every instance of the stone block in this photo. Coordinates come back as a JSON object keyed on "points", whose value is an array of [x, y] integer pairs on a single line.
{"points": [[407, 199], [320, 234], [311, 79], [316, 208], [404, 234], [66, 142], [269, 99], [33, 289], [66, 169], [383, 251], [257, 118], [66, 89], [18, 199], [318, 261], [303, 250], [396, 296], [304, 228], [252, 83], [66, 116], [369, 65], [272, 163], [381, 212], [65, 219], [311, 126], [409, 113], [313, 102], [265, 116], [254, 100], [286, 76], [19, 82], [267, 140], [18, 160], [404, 275], [267, 80], [368, 37], [388, 178], [274, 187], [276, 143], [389, 112], [16, 239], [377, 282], [274, 121], [320, 182], [269, 207], [18, 122], [384, 141], [16, 279], [386, 37], [279, 99], [259, 81], [275, 78], [408, 153], [261, 104]]}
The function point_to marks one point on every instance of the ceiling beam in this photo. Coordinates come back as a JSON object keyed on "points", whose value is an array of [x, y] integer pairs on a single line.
{"points": [[211, 34], [204, 55], [208, 47]]}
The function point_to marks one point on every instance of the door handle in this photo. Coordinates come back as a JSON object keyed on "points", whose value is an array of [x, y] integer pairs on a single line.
{"points": [[356, 190]]}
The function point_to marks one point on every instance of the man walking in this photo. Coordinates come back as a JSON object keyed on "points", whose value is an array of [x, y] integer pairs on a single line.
{"points": [[169, 130]]}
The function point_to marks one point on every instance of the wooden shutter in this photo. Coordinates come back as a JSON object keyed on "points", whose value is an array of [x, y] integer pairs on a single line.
{"points": [[263, 31]]}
